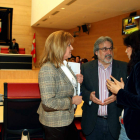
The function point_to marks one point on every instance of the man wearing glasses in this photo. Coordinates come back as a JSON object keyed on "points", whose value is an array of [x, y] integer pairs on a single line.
{"points": [[100, 119]]}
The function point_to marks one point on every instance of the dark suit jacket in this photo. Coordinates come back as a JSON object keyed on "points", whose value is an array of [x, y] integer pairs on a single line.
{"points": [[16, 46], [130, 98], [90, 83]]}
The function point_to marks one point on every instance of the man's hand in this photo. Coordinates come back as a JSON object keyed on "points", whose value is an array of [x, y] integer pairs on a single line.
{"points": [[110, 99], [94, 99]]}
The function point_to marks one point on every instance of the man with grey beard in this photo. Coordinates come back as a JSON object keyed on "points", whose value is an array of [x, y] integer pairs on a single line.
{"points": [[100, 119]]}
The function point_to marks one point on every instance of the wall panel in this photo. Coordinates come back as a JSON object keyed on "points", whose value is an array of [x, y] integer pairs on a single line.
{"points": [[112, 27], [17, 76]]}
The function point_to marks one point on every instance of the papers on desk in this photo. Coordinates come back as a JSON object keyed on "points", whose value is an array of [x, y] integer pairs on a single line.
{"points": [[76, 69], [79, 111], [1, 99]]}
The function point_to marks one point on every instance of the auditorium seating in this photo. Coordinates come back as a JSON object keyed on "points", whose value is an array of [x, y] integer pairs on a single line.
{"points": [[21, 101], [5, 50]]}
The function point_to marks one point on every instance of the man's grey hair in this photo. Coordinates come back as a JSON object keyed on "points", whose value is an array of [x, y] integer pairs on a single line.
{"points": [[101, 40]]}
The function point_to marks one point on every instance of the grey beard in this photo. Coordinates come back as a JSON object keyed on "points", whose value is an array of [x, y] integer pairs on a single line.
{"points": [[110, 59]]}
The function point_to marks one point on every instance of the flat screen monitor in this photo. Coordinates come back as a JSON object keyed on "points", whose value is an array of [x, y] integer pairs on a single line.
{"points": [[130, 24]]}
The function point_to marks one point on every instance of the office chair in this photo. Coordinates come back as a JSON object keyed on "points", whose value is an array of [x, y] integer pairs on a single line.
{"points": [[21, 101], [25, 135]]}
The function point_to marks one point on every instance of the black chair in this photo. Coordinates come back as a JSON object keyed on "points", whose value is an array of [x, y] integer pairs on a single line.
{"points": [[20, 112]]}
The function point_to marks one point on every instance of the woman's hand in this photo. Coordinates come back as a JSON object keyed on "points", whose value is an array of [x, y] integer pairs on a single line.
{"points": [[121, 83], [79, 78], [115, 86], [76, 100]]}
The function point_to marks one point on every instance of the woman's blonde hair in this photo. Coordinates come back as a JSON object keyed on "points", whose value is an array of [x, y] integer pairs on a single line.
{"points": [[55, 47]]}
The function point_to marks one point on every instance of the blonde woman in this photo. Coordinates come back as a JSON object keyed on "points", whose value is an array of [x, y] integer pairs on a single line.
{"points": [[58, 88]]}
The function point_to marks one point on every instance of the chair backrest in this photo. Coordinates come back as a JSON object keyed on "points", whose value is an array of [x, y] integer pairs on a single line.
{"points": [[4, 50], [21, 101], [21, 90], [21, 51]]}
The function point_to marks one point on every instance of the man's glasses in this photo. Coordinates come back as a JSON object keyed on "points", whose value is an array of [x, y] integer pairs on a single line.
{"points": [[106, 49]]}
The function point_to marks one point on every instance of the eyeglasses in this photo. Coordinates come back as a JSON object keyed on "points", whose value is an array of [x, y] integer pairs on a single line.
{"points": [[106, 49]]}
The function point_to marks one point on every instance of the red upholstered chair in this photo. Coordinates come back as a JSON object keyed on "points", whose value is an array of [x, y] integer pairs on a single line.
{"points": [[0, 130], [21, 101], [77, 122], [21, 51], [22, 90], [4, 50]]}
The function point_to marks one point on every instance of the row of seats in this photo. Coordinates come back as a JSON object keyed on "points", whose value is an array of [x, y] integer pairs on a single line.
{"points": [[21, 101], [5, 50]]}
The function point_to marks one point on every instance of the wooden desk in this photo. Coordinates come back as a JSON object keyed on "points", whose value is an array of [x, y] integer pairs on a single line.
{"points": [[79, 111], [1, 114], [15, 61]]}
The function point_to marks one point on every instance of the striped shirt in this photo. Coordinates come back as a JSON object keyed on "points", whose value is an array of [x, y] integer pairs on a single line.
{"points": [[103, 74]]}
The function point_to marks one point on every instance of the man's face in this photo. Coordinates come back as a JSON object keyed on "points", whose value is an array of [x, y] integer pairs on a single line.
{"points": [[77, 59], [105, 55], [14, 41]]}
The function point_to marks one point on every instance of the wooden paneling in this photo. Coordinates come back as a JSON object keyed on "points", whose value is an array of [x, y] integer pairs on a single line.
{"points": [[21, 26], [18, 76], [111, 27], [83, 45]]}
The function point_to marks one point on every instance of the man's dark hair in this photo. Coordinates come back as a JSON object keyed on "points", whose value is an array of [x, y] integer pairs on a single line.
{"points": [[84, 60], [95, 56], [79, 57], [14, 39]]}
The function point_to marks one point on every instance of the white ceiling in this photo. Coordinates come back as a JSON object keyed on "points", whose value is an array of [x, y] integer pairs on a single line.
{"points": [[86, 11]]}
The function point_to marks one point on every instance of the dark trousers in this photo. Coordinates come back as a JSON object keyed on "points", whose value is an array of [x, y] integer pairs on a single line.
{"points": [[101, 131], [61, 133]]}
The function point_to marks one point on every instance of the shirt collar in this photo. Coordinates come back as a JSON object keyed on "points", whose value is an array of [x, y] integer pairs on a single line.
{"points": [[100, 65]]}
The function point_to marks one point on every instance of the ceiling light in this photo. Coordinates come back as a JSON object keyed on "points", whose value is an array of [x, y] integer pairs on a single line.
{"points": [[37, 24], [55, 12], [62, 8], [44, 19]]}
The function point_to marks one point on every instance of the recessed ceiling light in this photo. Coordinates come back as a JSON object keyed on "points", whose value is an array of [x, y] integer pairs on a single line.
{"points": [[62, 8], [38, 24], [44, 19]]}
